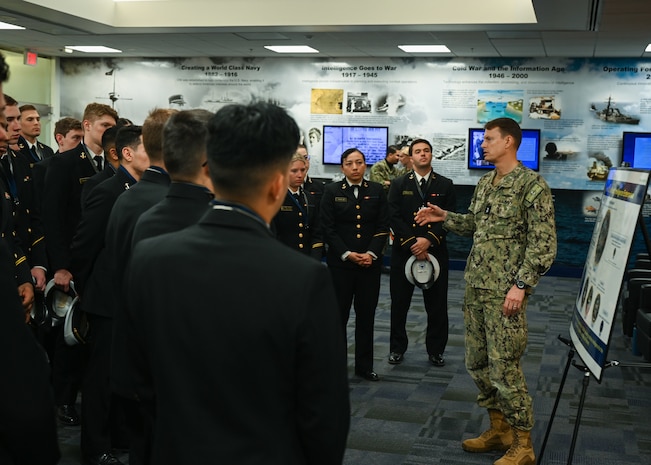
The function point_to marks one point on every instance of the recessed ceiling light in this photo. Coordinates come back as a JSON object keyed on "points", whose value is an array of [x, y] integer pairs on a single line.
{"points": [[93, 49], [424, 48], [9, 26], [648, 48], [291, 49]]}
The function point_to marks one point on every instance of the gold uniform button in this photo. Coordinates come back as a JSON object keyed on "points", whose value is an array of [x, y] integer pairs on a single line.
{"points": [[300, 214], [359, 217], [357, 207], [300, 246], [300, 225], [358, 226], [413, 225], [300, 235], [359, 236]]}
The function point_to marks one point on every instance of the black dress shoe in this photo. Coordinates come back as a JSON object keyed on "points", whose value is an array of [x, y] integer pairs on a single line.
{"points": [[102, 459], [395, 358], [437, 360], [368, 375], [67, 415]]}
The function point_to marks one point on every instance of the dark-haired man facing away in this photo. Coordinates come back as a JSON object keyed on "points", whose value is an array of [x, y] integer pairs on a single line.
{"points": [[294, 340]]}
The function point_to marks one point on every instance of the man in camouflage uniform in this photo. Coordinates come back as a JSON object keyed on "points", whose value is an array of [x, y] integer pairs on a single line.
{"points": [[384, 171], [511, 220]]}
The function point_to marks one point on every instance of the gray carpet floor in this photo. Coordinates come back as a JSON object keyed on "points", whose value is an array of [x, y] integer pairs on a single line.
{"points": [[419, 414]]}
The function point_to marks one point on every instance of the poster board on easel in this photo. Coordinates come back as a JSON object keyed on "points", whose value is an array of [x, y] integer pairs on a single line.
{"points": [[596, 303]]}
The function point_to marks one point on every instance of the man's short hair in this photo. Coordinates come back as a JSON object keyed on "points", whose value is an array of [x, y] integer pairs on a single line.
{"points": [[95, 111], [10, 101], [108, 139], [27, 107], [419, 141], [4, 69], [65, 125], [392, 149], [348, 152], [152, 132], [127, 136], [185, 136], [246, 143], [507, 127]]}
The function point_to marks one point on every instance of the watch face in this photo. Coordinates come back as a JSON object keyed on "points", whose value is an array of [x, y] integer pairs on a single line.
{"points": [[520, 284]]}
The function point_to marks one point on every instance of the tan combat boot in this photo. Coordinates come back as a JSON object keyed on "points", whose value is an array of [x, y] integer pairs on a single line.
{"points": [[520, 452], [498, 437]]}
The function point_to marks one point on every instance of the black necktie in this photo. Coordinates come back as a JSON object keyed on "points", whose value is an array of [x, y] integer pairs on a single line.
{"points": [[98, 162], [422, 184], [34, 153]]}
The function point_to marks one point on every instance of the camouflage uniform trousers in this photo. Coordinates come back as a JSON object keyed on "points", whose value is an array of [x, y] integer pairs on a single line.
{"points": [[494, 346]]}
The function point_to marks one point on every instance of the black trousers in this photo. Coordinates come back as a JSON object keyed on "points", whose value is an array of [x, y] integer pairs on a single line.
{"points": [[68, 364], [361, 288], [436, 306], [96, 391]]}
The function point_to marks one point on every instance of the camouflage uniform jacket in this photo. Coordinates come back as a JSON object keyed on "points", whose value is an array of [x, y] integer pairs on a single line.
{"points": [[383, 171], [513, 230]]}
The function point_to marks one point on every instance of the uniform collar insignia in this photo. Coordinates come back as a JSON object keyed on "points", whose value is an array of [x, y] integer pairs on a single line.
{"points": [[82, 156]]}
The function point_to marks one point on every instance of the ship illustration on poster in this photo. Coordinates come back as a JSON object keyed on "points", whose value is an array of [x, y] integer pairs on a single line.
{"points": [[611, 114]]}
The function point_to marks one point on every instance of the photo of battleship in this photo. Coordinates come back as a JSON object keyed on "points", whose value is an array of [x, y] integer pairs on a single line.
{"points": [[611, 114]]}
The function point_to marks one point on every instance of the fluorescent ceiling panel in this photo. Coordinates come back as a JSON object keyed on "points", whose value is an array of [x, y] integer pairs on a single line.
{"points": [[424, 48], [291, 49]]}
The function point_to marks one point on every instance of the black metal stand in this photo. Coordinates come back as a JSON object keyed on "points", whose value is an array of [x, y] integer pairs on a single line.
{"points": [[570, 356], [579, 413]]}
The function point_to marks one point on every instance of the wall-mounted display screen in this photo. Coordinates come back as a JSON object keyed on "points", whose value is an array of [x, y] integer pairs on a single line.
{"points": [[528, 152], [372, 141], [636, 149]]}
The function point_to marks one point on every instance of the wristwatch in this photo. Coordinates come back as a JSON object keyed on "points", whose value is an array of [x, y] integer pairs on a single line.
{"points": [[521, 284]]}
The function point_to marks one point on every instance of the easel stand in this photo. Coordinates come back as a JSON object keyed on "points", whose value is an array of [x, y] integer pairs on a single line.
{"points": [[586, 381]]}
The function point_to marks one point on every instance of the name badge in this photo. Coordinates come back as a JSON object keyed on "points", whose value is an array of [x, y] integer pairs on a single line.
{"points": [[341, 199], [286, 208], [83, 180], [407, 192]]}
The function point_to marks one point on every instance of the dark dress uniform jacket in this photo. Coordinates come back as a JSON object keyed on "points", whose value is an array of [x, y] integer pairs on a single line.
{"points": [[272, 388], [297, 224], [23, 149], [8, 235], [357, 224], [94, 181], [150, 190], [314, 188], [183, 206], [28, 430], [27, 222], [61, 204], [89, 257], [405, 200]]}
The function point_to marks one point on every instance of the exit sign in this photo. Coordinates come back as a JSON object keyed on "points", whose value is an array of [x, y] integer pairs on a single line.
{"points": [[31, 58]]}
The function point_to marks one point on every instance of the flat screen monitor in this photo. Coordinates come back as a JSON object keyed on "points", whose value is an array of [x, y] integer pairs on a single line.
{"points": [[528, 153], [372, 141], [636, 149]]}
